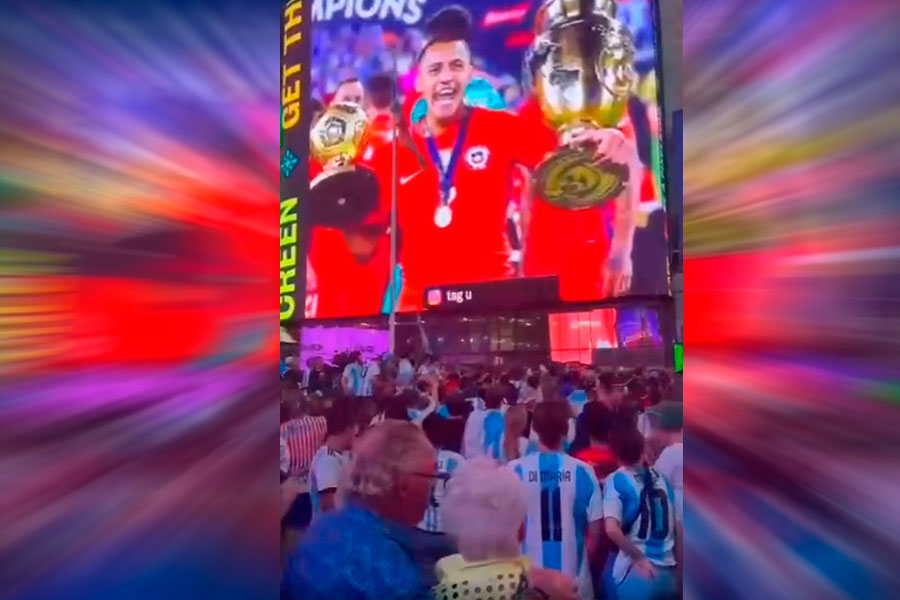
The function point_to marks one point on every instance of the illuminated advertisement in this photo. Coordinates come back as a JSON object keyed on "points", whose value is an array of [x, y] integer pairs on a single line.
{"points": [[294, 174], [576, 336], [519, 143]]}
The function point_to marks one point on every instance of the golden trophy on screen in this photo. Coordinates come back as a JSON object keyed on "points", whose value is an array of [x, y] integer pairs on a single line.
{"points": [[581, 67], [344, 193]]}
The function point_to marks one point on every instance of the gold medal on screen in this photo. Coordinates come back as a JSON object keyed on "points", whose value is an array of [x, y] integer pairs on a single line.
{"points": [[345, 192], [581, 65]]}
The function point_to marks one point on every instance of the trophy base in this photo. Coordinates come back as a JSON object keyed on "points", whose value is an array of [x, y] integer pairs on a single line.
{"points": [[570, 179], [343, 197]]}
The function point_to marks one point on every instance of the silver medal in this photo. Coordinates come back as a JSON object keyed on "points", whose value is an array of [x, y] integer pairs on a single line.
{"points": [[442, 216]]}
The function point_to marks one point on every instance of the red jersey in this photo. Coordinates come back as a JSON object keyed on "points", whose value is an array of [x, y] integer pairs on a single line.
{"points": [[474, 246], [601, 458], [571, 244], [344, 286]]}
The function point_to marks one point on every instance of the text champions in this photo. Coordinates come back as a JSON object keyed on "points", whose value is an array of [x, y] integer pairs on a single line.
{"points": [[405, 11], [291, 113]]}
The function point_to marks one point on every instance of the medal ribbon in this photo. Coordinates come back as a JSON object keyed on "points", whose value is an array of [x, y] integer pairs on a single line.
{"points": [[447, 173]]}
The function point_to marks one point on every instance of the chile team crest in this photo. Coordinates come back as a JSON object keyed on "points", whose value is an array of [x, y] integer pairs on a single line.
{"points": [[477, 157], [570, 179]]}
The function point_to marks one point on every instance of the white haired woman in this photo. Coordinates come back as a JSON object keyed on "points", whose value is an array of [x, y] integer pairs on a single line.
{"points": [[358, 550], [484, 511]]}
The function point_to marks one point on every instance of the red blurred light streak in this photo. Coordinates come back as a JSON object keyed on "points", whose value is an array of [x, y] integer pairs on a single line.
{"points": [[515, 14]]}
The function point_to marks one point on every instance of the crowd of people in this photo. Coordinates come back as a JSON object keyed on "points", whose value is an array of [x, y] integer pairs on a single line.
{"points": [[362, 51], [419, 479]]}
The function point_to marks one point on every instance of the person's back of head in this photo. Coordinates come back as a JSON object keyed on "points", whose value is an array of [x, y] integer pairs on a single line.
{"points": [[551, 423], [627, 444], [484, 507], [534, 381], [381, 92], [395, 408], [340, 418], [366, 410], [606, 381], [457, 405], [385, 473], [436, 431], [493, 397], [598, 421]]}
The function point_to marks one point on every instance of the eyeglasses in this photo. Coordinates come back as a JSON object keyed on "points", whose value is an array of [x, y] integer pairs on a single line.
{"points": [[438, 476]]}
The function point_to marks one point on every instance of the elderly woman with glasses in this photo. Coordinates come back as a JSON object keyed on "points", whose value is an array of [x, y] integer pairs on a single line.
{"points": [[361, 550], [484, 511]]}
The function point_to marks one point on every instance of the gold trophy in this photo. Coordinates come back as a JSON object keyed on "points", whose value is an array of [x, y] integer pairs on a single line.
{"points": [[344, 193], [581, 67]]}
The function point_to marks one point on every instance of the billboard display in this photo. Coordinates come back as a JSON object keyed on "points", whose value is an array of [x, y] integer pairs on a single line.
{"points": [[528, 150], [576, 336]]}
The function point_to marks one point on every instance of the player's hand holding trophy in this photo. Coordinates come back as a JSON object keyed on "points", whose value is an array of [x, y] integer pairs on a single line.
{"points": [[581, 67], [345, 192]]}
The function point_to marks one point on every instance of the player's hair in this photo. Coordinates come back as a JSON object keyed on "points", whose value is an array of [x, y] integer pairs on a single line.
{"points": [[551, 422], [597, 420], [483, 509], [351, 79], [341, 417], [380, 456], [450, 24], [435, 430], [493, 397], [627, 444], [381, 91], [395, 408]]}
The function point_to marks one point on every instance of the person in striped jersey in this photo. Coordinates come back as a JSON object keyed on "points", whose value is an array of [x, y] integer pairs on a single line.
{"points": [[352, 379], [301, 434], [447, 462], [333, 456], [641, 519], [484, 433], [565, 507]]}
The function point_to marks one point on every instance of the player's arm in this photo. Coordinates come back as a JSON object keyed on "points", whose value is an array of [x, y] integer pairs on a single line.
{"points": [[611, 145], [615, 534], [326, 499], [612, 511], [290, 489], [531, 141], [327, 473], [596, 535]]}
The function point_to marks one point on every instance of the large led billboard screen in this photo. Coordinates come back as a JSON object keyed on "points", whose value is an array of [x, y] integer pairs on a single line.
{"points": [[528, 151]]}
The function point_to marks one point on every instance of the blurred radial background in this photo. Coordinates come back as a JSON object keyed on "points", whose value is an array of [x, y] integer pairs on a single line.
{"points": [[138, 299], [792, 280], [138, 181]]}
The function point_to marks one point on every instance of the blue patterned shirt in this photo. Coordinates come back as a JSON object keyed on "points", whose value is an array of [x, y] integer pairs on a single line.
{"points": [[352, 554]]}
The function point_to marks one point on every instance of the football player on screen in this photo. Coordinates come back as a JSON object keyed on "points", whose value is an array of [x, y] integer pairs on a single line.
{"points": [[453, 211]]}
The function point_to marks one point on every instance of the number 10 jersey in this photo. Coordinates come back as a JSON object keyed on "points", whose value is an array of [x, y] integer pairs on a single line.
{"points": [[646, 514]]}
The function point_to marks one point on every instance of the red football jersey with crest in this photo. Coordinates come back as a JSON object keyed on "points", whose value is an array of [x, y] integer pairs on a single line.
{"points": [[474, 246]]}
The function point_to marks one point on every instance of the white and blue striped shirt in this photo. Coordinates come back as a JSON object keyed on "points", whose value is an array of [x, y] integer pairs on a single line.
{"points": [[646, 515], [563, 497], [447, 463]]}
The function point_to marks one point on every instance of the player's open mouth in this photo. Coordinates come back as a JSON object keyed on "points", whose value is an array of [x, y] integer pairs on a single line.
{"points": [[445, 96]]}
